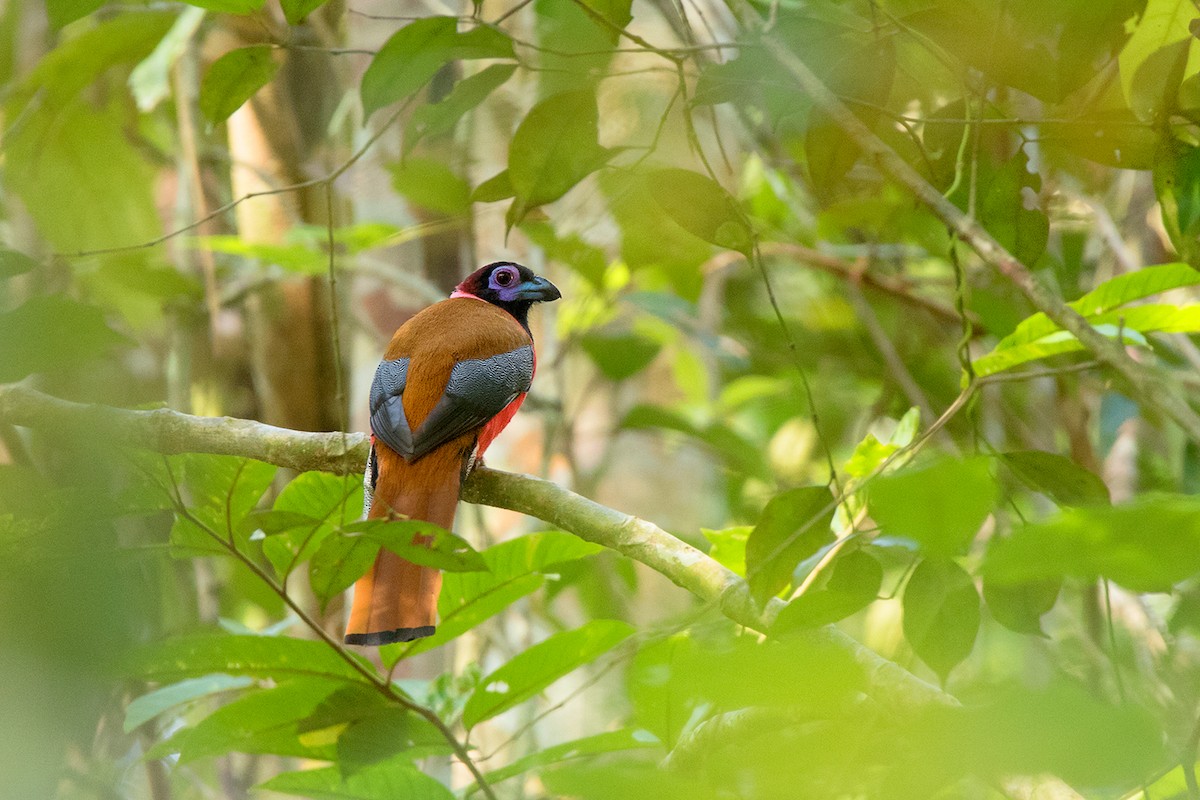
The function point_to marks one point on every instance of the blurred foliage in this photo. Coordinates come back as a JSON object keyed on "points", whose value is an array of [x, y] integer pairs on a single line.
{"points": [[749, 305]]}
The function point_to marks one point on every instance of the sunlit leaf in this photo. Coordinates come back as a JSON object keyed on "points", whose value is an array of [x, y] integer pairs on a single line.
{"points": [[794, 525], [1153, 60], [234, 78], [62, 12], [305, 514], [527, 673], [417, 51], [625, 780], [496, 188], [853, 584], [729, 546], [940, 506], [941, 614]]}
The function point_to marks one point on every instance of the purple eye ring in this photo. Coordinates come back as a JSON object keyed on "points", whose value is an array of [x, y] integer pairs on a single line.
{"points": [[505, 276]]}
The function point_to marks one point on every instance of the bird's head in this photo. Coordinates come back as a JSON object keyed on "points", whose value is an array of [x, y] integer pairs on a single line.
{"points": [[510, 286]]}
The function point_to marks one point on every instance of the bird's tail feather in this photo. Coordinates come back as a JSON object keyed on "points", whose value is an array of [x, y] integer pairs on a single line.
{"points": [[396, 601]]}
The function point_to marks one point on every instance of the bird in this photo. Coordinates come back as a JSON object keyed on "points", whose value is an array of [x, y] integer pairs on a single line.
{"points": [[451, 379]]}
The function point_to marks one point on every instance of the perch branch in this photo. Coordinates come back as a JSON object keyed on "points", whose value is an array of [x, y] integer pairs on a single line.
{"points": [[166, 431]]}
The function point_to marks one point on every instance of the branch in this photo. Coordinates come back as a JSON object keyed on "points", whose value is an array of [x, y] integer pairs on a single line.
{"points": [[1146, 383], [166, 431]]}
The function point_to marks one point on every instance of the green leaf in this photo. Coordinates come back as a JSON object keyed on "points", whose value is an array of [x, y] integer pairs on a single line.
{"points": [[295, 11], [442, 549], [1019, 607], [234, 78], [14, 263], [63, 12], [273, 657], [338, 563], [852, 586], [81, 178], [1177, 185], [941, 506], [306, 513], [625, 780], [150, 80], [416, 52], [222, 490], [397, 778], [702, 207], [619, 355], [1153, 60], [794, 525], [1057, 477], [729, 546], [382, 733], [1006, 208], [52, 333], [150, 705], [431, 184], [438, 119], [1147, 545], [297, 257], [498, 187], [541, 665], [609, 742], [262, 721], [469, 598], [941, 614], [555, 147]]}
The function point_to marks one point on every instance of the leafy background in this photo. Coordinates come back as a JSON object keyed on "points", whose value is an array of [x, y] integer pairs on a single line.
{"points": [[776, 344]]}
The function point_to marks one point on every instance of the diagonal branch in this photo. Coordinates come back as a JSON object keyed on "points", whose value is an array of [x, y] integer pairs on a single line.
{"points": [[166, 431], [1147, 384]]}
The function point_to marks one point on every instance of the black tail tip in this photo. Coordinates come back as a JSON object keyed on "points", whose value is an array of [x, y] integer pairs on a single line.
{"points": [[376, 638]]}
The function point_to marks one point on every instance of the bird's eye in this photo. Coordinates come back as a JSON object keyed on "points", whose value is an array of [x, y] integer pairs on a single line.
{"points": [[504, 277]]}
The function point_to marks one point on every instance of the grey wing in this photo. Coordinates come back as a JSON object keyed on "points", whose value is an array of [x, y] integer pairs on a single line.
{"points": [[478, 389], [388, 422]]}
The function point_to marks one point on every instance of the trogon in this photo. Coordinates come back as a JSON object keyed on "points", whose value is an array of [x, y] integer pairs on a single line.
{"points": [[452, 378]]}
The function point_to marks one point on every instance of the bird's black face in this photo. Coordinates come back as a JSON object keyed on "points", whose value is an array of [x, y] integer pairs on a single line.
{"points": [[510, 286]]}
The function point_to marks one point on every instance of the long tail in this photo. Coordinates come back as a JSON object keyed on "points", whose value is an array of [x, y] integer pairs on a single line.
{"points": [[396, 601]]}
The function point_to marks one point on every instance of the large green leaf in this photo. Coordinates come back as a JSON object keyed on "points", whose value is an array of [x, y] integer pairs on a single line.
{"points": [[221, 491], [940, 506], [307, 511], [1148, 545], [794, 525], [52, 333], [275, 657], [941, 614], [619, 354], [416, 52], [438, 119], [262, 721], [1020, 606], [338, 563], [1153, 60], [541, 665], [853, 584], [295, 11], [469, 598], [150, 705], [397, 778], [431, 184], [702, 207], [234, 78], [555, 148]]}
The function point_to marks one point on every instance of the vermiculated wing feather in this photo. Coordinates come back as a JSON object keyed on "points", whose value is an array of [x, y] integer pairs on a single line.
{"points": [[478, 390], [388, 422]]}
